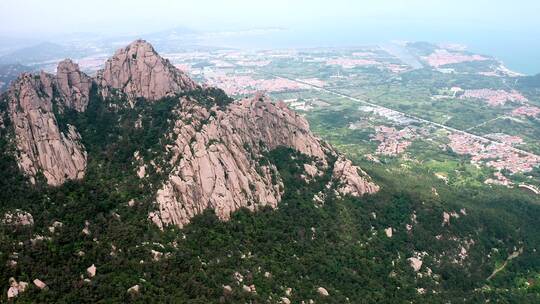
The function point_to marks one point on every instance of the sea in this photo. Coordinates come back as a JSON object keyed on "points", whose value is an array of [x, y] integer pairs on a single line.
{"points": [[519, 51]]}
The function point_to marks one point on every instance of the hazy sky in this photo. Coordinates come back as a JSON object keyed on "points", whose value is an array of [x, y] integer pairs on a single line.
{"points": [[508, 29], [113, 16]]}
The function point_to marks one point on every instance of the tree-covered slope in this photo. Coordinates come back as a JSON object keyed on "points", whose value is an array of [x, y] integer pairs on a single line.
{"points": [[340, 244]]}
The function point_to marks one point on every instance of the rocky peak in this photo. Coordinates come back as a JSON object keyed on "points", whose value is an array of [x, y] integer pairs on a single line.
{"points": [[73, 85], [41, 146], [216, 151], [138, 71]]}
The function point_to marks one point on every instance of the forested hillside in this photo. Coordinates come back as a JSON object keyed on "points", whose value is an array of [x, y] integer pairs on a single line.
{"points": [[357, 249]]}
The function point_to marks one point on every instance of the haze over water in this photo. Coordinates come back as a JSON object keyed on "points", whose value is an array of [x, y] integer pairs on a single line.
{"points": [[517, 52], [508, 30]]}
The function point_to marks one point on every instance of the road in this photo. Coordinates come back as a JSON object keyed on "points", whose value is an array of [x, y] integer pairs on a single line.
{"points": [[485, 122], [428, 122], [508, 259]]}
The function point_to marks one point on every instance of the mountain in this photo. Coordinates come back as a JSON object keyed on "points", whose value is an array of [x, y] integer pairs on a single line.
{"points": [[140, 72], [36, 53], [214, 155], [140, 185], [217, 166]]}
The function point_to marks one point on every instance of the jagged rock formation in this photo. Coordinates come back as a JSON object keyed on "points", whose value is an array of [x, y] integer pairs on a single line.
{"points": [[216, 152], [138, 71], [348, 179], [73, 85], [216, 165], [41, 146]]}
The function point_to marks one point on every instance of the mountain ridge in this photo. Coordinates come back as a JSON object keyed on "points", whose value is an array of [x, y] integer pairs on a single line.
{"points": [[214, 162]]}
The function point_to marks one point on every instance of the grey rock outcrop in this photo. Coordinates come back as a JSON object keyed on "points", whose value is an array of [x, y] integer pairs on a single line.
{"points": [[322, 291], [216, 164], [215, 152], [348, 179], [91, 271], [134, 290], [40, 284], [15, 288], [41, 145], [415, 262], [138, 71], [73, 85]]}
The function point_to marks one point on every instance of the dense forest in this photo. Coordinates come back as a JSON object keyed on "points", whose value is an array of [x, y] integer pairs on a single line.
{"points": [[341, 245]]}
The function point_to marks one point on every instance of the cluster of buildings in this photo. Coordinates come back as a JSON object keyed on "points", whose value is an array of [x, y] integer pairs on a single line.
{"points": [[392, 141], [349, 63], [529, 111], [499, 179], [91, 64], [506, 139], [496, 155], [218, 63], [394, 116], [305, 104], [396, 68], [253, 63], [363, 54], [244, 84], [447, 93], [494, 97], [443, 57]]}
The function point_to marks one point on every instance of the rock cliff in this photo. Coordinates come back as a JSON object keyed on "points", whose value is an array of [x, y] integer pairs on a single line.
{"points": [[138, 71], [218, 148], [216, 164], [73, 85], [41, 146], [348, 179]]}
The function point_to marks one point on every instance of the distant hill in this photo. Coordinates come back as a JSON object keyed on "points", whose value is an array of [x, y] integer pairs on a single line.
{"points": [[38, 53], [9, 72]]}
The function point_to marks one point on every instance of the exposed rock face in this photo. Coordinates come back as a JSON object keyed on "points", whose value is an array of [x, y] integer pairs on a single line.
{"points": [[214, 168], [389, 232], [41, 146], [15, 288], [18, 218], [134, 290], [323, 292], [350, 182], [216, 153], [73, 85], [216, 163], [138, 71], [415, 262], [91, 271], [227, 290], [39, 284]]}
